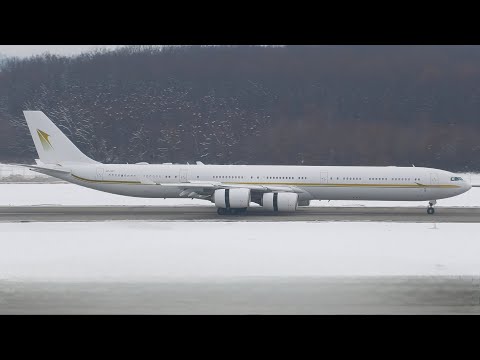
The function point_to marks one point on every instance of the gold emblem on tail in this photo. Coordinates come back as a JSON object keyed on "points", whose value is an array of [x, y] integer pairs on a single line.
{"points": [[44, 140]]}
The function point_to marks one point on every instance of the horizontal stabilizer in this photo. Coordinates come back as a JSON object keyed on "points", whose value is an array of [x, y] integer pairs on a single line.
{"points": [[44, 169]]}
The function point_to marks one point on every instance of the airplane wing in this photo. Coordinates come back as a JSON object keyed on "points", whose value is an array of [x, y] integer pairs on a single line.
{"points": [[205, 186]]}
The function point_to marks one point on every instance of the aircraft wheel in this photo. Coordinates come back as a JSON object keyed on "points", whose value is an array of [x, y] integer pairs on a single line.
{"points": [[430, 210], [221, 211]]}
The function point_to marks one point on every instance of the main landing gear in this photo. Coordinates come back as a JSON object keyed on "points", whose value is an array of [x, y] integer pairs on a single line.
{"points": [[231, 211], [430, 209]]}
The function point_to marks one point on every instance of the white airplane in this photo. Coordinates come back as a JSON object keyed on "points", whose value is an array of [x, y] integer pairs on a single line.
{"points": [[233, 187]]}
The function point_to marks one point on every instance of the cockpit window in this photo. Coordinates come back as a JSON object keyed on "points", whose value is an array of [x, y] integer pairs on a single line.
{"points": [[456, 178]]}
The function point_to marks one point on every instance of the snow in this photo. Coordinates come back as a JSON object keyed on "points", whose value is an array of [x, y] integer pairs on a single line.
{"points": [[23, 172], [71, 194], [64, 50], [131, 251]]}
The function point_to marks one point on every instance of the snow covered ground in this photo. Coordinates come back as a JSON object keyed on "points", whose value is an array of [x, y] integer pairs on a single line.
{"points": [[11, 170], [70, 194], [154, 250], [128, 251], [19, 174]]}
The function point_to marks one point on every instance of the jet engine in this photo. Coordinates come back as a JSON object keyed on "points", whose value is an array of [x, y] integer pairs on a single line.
{"points": [[232, 198], [280, 201]]}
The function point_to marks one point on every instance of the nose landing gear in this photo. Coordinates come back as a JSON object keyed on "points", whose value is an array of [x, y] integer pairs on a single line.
{"points": [[430, 209]]}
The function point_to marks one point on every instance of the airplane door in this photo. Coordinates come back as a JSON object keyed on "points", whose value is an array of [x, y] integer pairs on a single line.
{"points": [[433, 179], [183, 175], [99, 173], [323, 177]]}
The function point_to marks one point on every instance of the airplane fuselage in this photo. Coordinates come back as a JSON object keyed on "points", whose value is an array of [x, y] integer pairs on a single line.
{"points": [[312, 182]]}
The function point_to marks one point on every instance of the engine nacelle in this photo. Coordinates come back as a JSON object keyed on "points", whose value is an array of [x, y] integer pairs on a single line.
{"points": [[232, 198], [280, 201]]}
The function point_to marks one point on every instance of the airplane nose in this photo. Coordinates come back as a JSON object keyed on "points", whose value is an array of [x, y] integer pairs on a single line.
{"points": [[467, 186]]}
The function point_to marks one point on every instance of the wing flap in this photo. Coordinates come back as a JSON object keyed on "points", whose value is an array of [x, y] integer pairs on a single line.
{"points": [[203, 185]]}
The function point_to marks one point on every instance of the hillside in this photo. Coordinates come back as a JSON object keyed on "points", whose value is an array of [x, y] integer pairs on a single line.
{"points": [[312, 105]]}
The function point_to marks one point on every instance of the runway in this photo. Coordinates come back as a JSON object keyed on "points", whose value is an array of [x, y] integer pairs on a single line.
{"points": [[208, 213], [278, 295]]}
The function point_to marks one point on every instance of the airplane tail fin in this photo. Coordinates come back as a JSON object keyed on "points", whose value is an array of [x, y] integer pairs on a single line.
{"points": [[52, 145]]}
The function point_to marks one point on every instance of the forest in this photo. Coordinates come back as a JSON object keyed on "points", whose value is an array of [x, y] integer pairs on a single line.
{"points": [[312, 105]]}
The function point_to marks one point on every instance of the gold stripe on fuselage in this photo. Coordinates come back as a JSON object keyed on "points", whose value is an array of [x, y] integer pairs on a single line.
{"points": [[108, 181], [124, 182], [349, 185]]}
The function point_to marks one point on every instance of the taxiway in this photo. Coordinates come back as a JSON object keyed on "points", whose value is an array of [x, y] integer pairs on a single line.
{"points": [[208, 213]]}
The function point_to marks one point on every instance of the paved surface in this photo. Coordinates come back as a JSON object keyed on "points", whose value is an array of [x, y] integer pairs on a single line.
{"points": [[372, 295], [208, 213]]}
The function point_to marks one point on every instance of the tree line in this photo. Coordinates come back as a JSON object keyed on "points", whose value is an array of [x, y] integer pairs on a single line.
{"points": [[311, 105]]}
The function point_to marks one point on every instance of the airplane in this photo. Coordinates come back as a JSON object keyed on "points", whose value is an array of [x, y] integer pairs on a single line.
{"points": [[232, 188]]}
